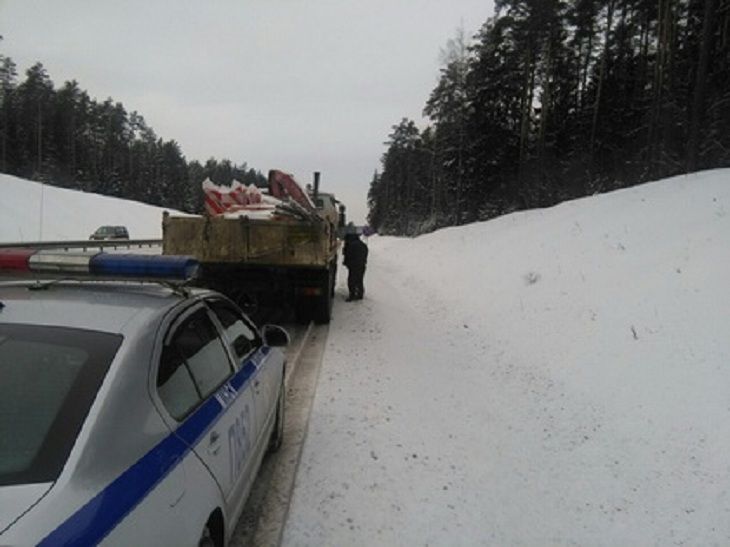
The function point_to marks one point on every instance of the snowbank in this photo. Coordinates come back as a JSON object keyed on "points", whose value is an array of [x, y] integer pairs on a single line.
{"points": [[552, 377], [68, 214]]}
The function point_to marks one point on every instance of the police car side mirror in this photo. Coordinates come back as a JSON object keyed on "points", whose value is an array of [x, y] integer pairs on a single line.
{"points": [[241, 346], [275, 336]]}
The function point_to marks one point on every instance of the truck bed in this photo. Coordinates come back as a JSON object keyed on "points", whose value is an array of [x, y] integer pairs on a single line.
{"points": [[283, 242]]}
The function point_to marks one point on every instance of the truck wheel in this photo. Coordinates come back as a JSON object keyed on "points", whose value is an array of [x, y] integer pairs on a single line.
{"points": [[301, 310], [323, 304], [323, 308]]}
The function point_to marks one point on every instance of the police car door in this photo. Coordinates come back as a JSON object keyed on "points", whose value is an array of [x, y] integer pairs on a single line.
{"points": [[246, 347], [195, 365]]}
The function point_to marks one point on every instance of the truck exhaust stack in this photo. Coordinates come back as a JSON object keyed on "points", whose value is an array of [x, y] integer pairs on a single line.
{"points": [[316, 184]]}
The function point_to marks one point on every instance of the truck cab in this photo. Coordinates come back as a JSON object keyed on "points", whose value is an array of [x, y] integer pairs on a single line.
{"points": [[326, 205]]}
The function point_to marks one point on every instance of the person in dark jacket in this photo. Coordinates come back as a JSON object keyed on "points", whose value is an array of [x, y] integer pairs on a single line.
{"points": [[355, 255]]}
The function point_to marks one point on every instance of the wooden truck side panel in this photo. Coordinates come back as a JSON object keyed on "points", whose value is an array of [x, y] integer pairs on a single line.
{"points": [[261, 262], [257, 242]]}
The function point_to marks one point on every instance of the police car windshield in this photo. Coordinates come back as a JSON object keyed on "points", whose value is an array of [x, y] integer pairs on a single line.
{"points": [[50, 376]]}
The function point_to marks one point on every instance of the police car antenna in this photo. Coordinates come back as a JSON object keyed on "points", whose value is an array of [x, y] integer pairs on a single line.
{"points": [[40, 222], [178, 288]]}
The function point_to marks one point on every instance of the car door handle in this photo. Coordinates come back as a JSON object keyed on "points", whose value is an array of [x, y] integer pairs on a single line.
{"points": [[213, 445], [256, 383]]}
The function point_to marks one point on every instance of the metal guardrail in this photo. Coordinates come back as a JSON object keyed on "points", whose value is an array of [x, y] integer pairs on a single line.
{"points": [[85, 244]]}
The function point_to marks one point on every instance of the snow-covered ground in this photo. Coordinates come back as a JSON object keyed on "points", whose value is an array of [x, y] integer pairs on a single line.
{"points": [[30, 211], [551, 377]]}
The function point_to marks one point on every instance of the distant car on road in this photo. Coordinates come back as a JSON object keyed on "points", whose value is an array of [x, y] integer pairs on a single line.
{"points": [[130, 413], [110, 232]]}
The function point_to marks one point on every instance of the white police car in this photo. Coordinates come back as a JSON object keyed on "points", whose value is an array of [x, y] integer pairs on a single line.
{"points": [[130, 413]]}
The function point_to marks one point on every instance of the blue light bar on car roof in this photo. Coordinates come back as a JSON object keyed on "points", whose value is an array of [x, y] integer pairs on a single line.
{"points": [[144, 266], [17, 262]]}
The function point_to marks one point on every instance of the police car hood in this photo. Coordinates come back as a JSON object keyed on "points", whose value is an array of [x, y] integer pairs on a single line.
{"points": [[18, 499]]}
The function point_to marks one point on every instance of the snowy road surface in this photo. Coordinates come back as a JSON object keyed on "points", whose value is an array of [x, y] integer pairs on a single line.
{"points": [[262, 521], [555, 377]]}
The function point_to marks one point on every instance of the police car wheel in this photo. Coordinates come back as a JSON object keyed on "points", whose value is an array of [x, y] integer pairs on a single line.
{"points": [[205, 539], [277, 434]]}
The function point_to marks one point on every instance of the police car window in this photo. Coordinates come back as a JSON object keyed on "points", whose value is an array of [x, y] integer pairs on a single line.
{"points": [[198, 344], [238, 332], [175, 383], [49, 377]]}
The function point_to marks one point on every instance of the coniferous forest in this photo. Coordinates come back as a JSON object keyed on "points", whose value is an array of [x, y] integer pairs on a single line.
{"points": [[554, 100], [63, 137]]}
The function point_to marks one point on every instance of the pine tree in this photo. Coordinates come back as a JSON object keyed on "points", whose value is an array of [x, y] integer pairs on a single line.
{"points": [[64, 137], [8, 73], [448, 108]]}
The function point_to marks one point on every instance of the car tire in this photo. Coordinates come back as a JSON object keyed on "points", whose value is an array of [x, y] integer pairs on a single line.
{"points": [[213, 534], [206, 540], [277, 434]]}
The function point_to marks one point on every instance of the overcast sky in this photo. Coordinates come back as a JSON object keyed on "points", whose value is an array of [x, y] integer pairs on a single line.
{"points": [[297, 85]]}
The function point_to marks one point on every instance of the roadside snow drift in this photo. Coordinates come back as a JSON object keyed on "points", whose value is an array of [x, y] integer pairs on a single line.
{"points": [[551, 377], [30, 211]]}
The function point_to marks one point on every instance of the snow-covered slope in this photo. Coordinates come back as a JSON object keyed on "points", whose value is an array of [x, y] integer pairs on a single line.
{"points": [[552, 377], [68, 214]]}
